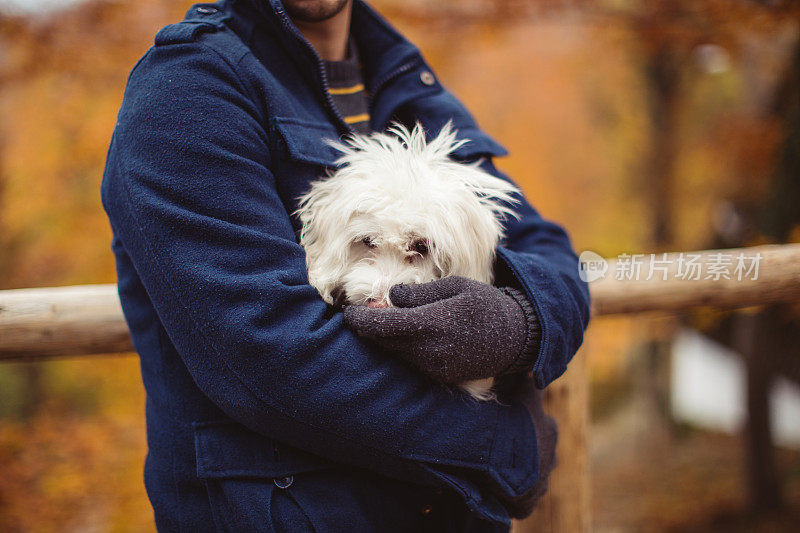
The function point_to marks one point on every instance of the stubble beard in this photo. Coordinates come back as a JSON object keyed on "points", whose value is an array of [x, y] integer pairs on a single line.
{"points": [[313, 10]]}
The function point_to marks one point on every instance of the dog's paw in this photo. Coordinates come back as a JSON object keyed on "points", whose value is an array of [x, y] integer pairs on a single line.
{"points": [[480, 389]]}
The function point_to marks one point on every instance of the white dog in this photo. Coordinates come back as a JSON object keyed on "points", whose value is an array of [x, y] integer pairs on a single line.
{"points": [[399, 210]]}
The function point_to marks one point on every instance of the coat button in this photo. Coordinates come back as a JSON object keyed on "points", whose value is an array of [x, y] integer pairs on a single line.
{"points": [[427, 78], [205, 10], [283, 482]]}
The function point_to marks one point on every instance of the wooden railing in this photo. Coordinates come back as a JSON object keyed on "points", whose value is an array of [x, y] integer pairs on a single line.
{"points": [[87, 320]]}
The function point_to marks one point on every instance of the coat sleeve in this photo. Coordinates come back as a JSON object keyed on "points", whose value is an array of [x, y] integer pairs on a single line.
{"points": [[190, 195], [540, 258]]}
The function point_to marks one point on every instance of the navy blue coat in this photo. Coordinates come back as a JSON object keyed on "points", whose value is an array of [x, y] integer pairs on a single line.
{"points": [[264, 411]]}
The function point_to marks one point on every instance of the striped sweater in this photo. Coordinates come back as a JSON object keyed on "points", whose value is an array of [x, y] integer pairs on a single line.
{"points": [[346, 86]]}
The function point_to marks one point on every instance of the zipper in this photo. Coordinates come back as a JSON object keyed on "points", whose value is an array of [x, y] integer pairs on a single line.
{"points": [[320, 69], [405, 67]]}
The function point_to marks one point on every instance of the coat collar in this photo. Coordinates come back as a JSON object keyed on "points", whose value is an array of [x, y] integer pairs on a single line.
{"points": [[396, 74], [383, 51]]}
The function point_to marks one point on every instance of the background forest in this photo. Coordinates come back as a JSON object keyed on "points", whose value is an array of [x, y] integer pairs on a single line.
{"points": [[641, 126]]}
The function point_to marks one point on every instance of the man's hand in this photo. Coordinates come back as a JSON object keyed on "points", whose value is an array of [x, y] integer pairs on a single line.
{"points": [[454, 329]]}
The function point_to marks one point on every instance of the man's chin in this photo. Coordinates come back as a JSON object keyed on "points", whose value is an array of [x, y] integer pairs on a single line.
{"points": [[314, 10]]}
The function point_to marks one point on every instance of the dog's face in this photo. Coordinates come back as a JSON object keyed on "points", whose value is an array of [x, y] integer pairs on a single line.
{"points": [[383, 251], [399, 210]]}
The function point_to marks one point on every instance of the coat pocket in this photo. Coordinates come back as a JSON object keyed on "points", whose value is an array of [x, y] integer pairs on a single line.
{"points": [[479, 145], [301, 157], [305, 141], [259, 485], [250, 478]]}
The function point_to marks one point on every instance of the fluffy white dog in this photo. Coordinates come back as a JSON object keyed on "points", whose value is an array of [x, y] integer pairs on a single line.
{"points": [[399, 210]]}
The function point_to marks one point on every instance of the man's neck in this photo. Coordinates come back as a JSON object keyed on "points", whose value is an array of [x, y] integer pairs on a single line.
{"points": [[328, 37]]}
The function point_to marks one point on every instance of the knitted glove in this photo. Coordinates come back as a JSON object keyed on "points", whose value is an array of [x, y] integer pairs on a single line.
{"points": [[454, 329]]}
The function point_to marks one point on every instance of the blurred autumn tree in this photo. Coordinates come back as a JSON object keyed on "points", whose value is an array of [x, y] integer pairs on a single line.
{"points": [[61, 79], [72, 432]]}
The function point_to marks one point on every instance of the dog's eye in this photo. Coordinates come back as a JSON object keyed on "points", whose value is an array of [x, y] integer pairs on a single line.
{"points": [[421, 247], [368, 242]]}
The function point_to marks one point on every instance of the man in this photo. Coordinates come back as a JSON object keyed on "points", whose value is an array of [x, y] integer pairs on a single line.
{"points": [[265, 411]]}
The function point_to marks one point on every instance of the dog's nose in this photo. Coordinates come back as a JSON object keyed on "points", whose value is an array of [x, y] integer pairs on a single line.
{"points": [[372, 302]]}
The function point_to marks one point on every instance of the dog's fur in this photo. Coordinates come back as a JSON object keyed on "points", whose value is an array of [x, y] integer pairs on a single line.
{"points": [[399, 210]]}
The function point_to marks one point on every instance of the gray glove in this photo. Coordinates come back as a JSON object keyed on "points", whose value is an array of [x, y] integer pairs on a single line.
{"points": [[454, 329]]}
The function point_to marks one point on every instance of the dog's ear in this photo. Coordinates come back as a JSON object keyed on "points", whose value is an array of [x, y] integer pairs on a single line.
{"points": [[482, 203], [324, 212], [470, 240], [498, 195]]}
